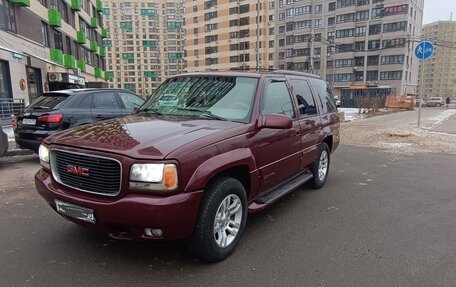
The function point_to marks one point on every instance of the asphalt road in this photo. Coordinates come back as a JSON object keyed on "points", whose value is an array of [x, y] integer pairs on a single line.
{"points": [[381, 220]]}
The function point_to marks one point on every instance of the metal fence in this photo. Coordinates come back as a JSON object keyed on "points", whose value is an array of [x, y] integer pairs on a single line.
{"points": [[10, 107]]}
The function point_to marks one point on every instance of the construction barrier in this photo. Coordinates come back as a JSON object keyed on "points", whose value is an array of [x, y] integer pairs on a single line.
{"points": [[400, 102]]}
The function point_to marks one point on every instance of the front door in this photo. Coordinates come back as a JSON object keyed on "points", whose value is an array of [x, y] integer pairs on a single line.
{"points": [[35, 87], [277, 151]]}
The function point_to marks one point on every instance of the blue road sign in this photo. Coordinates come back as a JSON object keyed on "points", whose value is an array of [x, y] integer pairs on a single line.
{"points": [[424, 50]]}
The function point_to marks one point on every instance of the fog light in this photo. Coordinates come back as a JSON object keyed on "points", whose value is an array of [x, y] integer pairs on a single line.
{"points": [[151, 232]]}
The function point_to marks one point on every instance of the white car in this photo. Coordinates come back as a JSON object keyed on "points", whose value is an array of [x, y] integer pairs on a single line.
{"points": [[3, 142], [435, 102]]}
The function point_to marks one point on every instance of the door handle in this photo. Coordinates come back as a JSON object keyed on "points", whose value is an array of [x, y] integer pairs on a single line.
{"points": [[99, 116]]}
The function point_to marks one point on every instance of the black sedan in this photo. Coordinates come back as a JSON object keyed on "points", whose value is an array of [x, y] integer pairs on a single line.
{"points": [[59, 110]]}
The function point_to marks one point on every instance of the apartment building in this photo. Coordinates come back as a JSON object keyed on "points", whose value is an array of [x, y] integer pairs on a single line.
{"points": [[361, 47], [440, 70], [49, 45], [145, 43], [224, 35]]}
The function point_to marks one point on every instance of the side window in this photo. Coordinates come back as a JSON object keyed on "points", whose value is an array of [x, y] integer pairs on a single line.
{"points": [[130, 101], [306, 103], [276, 100], [85, 103], [327, 100], [106, 100]]}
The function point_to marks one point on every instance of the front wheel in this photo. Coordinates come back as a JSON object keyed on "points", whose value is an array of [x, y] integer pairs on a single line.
{"points": [[320, 167], [221, 220]]}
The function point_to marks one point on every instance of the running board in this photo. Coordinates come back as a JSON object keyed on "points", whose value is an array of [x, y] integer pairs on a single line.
{"points": [[284, 189]]}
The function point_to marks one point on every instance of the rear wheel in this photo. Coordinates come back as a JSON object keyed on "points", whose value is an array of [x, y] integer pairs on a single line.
{"points": [[221, 220], [320, 167]]}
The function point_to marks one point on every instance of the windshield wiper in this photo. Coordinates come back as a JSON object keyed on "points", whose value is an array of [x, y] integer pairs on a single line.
{"points": [[40, 107], [152, 111], [205, 113]]}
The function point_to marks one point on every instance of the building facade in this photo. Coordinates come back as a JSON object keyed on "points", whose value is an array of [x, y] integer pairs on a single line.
{"points": [[440, 70], [224, 34], [49, 45], [144, 44], [361, 47]]}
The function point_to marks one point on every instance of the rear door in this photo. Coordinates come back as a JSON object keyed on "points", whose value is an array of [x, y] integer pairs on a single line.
{"points": [[130, 102], [309, 119], [105, 105]]}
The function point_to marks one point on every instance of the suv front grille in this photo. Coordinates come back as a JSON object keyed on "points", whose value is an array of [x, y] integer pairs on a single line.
{"points": [[87, 173]]}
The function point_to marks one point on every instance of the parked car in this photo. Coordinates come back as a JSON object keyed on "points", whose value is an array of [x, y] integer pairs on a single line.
{"points": [[61, 110], [239, 143], [337, 100], [417, 102], [3, 142], [435, 102]]}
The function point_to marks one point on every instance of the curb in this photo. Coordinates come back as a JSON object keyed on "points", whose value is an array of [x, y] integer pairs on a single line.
{"points": [[16, 152]]}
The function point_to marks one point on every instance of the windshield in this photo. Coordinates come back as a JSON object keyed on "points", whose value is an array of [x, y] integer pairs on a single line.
{"points": [[216, 97]]}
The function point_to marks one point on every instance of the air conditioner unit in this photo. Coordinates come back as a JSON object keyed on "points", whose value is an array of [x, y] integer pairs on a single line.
{"points": [[229, 40], [216, 42], [55, 77], [77, 72]]}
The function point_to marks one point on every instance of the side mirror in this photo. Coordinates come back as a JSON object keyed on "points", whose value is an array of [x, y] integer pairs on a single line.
{"points": [[135, 110], [277, 121]]}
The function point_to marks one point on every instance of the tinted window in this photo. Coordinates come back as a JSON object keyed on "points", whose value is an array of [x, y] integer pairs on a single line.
{"points": [[105, 101], [327, 100], [306, 103], [276, 100], [85, 103], [48, 101], [131, 101]]}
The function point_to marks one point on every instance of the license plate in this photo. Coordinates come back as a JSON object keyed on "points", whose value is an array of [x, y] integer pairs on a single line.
{"points": [[29, 121], [75, 211]]}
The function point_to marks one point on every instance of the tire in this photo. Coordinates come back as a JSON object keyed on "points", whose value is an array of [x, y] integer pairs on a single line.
{"points": [[207, 244], [320, 167], [438, 105]]}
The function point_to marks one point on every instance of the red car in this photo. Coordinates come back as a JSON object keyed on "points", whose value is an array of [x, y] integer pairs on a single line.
{"points": [[229, 143]]}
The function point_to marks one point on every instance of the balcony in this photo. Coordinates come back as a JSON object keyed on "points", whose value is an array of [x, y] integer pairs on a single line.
{"points": [[54, 18], [76, 5], [93, 46], [81, 65], [25, 3], [108, 76], [98, 73], [104, 33], [99, 6], [81, 37], [56, 56], [70, 62], [102, 52], [94, 22]]}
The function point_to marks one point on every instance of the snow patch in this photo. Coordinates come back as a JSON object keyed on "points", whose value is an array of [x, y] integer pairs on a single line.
{"points": [[349, 113], [437, 120], [395, 145]]}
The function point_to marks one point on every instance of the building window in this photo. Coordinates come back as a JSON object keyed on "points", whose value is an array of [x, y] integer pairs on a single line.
{"points": [[394, 27], [360, 31], [373, 45], [375, 29], [234, 10], [318, 8], [393, 43], [210, 4], [395, 10], [58, 41], [210, 27], [343, 77], [7, 16], [5, 81], [343, 63], [372, 75], [345, 33], [345, 3], [331, 21], [318, 23], [394, 75], [332, 6], [362, 15], [377, 13], [393, 59], [45, 34], [210, 15], [345, 18], [244, 8], [372, 60]]}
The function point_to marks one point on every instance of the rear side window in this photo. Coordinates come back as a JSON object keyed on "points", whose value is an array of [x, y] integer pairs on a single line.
{"points": [[276, 100], [105, 101], [85, 103], [306, 103], [327, 100], [48, 101], [131, 101]]}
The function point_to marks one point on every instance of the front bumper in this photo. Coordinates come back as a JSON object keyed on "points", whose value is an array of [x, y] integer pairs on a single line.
{"points": [[31, 139], [126, 217]]}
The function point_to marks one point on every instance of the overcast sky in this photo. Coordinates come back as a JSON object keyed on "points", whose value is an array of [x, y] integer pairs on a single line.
{"points": [[435, 10]]}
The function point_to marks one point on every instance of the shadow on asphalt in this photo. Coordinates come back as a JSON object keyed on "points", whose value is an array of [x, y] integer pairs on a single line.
{"points": [[7, 161]]}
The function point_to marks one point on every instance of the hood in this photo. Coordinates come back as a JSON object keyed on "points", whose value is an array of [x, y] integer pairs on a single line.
{"points": [[141, 136]]}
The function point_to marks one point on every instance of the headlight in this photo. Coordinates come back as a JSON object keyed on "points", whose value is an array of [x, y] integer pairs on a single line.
{"points": [[44, 155], [153, 176]]}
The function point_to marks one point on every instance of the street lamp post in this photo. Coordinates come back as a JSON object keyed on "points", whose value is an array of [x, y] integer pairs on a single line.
{"points": [[243, 52], [258, 37]]}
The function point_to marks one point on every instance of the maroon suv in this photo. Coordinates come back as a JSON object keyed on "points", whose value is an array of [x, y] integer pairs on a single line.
{"points": [[203, 151]]}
